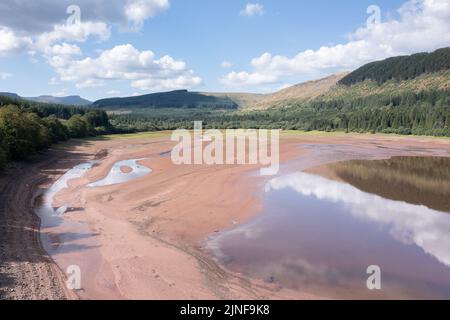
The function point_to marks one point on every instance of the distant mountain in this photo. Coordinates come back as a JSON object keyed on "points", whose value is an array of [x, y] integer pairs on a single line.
{"points": [[172, 99], [69, 100], [299, 92], [400, 68], [224, 100], [243, 100], [10, 95]]}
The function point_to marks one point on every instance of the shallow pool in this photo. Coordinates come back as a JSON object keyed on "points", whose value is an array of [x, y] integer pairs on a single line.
{"points": [[116, 175]]}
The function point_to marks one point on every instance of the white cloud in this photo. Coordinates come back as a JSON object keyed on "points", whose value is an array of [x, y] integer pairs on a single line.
{"points": [[113, 92], [27, 27], [11, 43], [65, 49], [226, 64], [252, 9], [5, 75], [423, 25], [236, 79], [137, 11], [36, 17], [79, 32], [125, 62]]}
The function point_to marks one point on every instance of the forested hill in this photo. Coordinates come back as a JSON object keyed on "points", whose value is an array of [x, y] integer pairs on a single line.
{"points": [[172, 99], [400, 68]]}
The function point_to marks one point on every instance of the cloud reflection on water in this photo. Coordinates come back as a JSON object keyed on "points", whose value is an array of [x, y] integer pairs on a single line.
{"points": [[408, 223]]}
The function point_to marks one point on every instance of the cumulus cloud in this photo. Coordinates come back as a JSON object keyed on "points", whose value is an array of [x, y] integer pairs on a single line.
{"points": [[58, 48], [78, 32], [252, 9], [422, 25], [11, 43], [125, 62], [35, 17], [43, 28], [35, 26], [234, 79], [138, 11]]}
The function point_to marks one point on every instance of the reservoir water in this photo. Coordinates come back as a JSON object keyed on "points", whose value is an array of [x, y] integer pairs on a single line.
{"points": [[320, 235]]}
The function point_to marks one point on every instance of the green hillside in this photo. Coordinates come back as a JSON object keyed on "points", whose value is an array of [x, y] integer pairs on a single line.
{"points": [[172, 99], [437, 81], [400, 68]]}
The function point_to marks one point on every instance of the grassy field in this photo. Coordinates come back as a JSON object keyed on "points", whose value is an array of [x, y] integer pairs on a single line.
{"points": [[167, 134]]}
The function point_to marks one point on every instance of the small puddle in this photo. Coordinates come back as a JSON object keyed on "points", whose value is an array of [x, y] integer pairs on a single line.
{"points": [[121, 172], [320, 236], [45, 209]]}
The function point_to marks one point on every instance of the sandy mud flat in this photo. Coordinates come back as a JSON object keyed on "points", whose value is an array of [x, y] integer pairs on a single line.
{"points": [[143, 239]]}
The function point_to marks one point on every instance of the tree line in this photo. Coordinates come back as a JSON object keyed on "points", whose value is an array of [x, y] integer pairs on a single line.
{"points": [[423, 113], [26, 127]]}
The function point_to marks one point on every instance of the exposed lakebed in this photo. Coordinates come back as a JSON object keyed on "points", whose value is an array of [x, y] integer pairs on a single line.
{"points": [[320, 235]]}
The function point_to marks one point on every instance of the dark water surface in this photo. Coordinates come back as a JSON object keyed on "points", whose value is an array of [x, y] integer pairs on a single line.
{"points": [[319, 236]]}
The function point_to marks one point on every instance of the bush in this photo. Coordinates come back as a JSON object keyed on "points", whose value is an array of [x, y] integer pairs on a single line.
{"points": [[57, 131], [77, 126], [23, 132]]}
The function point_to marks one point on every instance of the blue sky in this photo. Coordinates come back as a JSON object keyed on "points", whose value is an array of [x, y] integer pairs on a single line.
{"points": [[212, 45]]}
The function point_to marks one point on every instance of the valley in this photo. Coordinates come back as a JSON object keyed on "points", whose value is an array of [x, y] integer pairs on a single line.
{"points": [[97, 203]]}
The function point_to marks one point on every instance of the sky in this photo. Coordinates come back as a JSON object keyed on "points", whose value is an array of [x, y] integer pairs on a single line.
{"points": [[102, 48]]}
